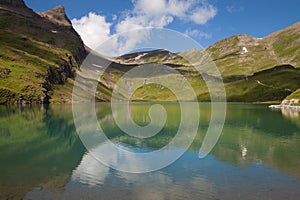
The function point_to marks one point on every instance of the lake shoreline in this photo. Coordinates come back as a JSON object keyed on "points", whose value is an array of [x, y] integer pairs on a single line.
{"points": [[285, 107]]}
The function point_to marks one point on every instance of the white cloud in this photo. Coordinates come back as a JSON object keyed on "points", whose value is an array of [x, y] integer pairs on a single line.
{"points": [[180, 8], [93, 29], [114, 17], [203, 14], [197, 34], [162, 12], [123, 43], [153, 7]]}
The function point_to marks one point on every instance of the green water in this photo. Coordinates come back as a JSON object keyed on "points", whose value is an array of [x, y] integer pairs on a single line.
{"points": [[256, 157]]}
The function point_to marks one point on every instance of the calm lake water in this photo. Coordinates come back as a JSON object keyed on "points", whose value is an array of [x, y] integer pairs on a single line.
{"points": [[256, 157]]}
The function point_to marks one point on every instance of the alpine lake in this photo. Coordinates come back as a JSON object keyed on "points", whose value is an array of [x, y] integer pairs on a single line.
{"points": [[257, 155]]}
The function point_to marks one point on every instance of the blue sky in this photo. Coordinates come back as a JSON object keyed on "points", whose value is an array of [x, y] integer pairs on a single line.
{"points": [[206, 21]]}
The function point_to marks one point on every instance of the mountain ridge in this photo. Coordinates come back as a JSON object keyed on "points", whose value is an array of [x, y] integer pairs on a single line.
{"points": [[41, 54], [241, 59], [236, 51]]}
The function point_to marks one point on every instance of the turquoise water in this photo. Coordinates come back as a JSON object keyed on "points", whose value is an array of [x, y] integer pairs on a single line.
{"points": [[256, 157]]}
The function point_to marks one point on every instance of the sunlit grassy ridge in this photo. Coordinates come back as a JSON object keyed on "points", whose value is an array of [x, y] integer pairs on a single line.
{"points": [[236, 55], [40, 55], [253, 69], [35, 54], [273, 84]]}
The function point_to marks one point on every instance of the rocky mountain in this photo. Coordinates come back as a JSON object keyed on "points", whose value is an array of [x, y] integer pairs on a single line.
{"points": [[40, 54]]}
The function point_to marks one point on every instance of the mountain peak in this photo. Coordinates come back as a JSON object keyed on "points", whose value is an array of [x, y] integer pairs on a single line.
{"points": [[59, 9], [57, 15]]}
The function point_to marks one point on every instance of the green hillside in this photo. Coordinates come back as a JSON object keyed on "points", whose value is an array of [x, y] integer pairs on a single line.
{"points": [[35, 55], [236, 55], [253, 69], [41, 54]]}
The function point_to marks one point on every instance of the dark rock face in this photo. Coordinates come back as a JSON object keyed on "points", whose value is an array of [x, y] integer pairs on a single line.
{"points": [[17, 6], [16, 3]]}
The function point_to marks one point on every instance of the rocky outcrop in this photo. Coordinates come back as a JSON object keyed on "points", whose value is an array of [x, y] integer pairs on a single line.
{"points": [[290, 102], [285, 107], [57, 15]]}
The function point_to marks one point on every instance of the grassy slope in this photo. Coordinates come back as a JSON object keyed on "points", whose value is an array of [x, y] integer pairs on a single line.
{"points": [[294, 95], [263, 86], [239, 70], [33, 57], [279, 48], [268, 85], [38, 59]]}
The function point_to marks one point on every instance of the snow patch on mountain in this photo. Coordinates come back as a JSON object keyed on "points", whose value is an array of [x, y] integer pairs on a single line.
{"points": [[245, 50]]}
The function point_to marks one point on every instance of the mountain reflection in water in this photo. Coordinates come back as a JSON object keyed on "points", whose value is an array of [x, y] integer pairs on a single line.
{"points": [[256, 157]]}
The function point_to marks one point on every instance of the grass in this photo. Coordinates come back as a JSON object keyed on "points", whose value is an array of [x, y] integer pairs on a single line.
{"points": [[27, 73], [37, 64], [264, 86], [294, 95], [153, 92], [35, 57], [284, 46], [274, 88]]}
